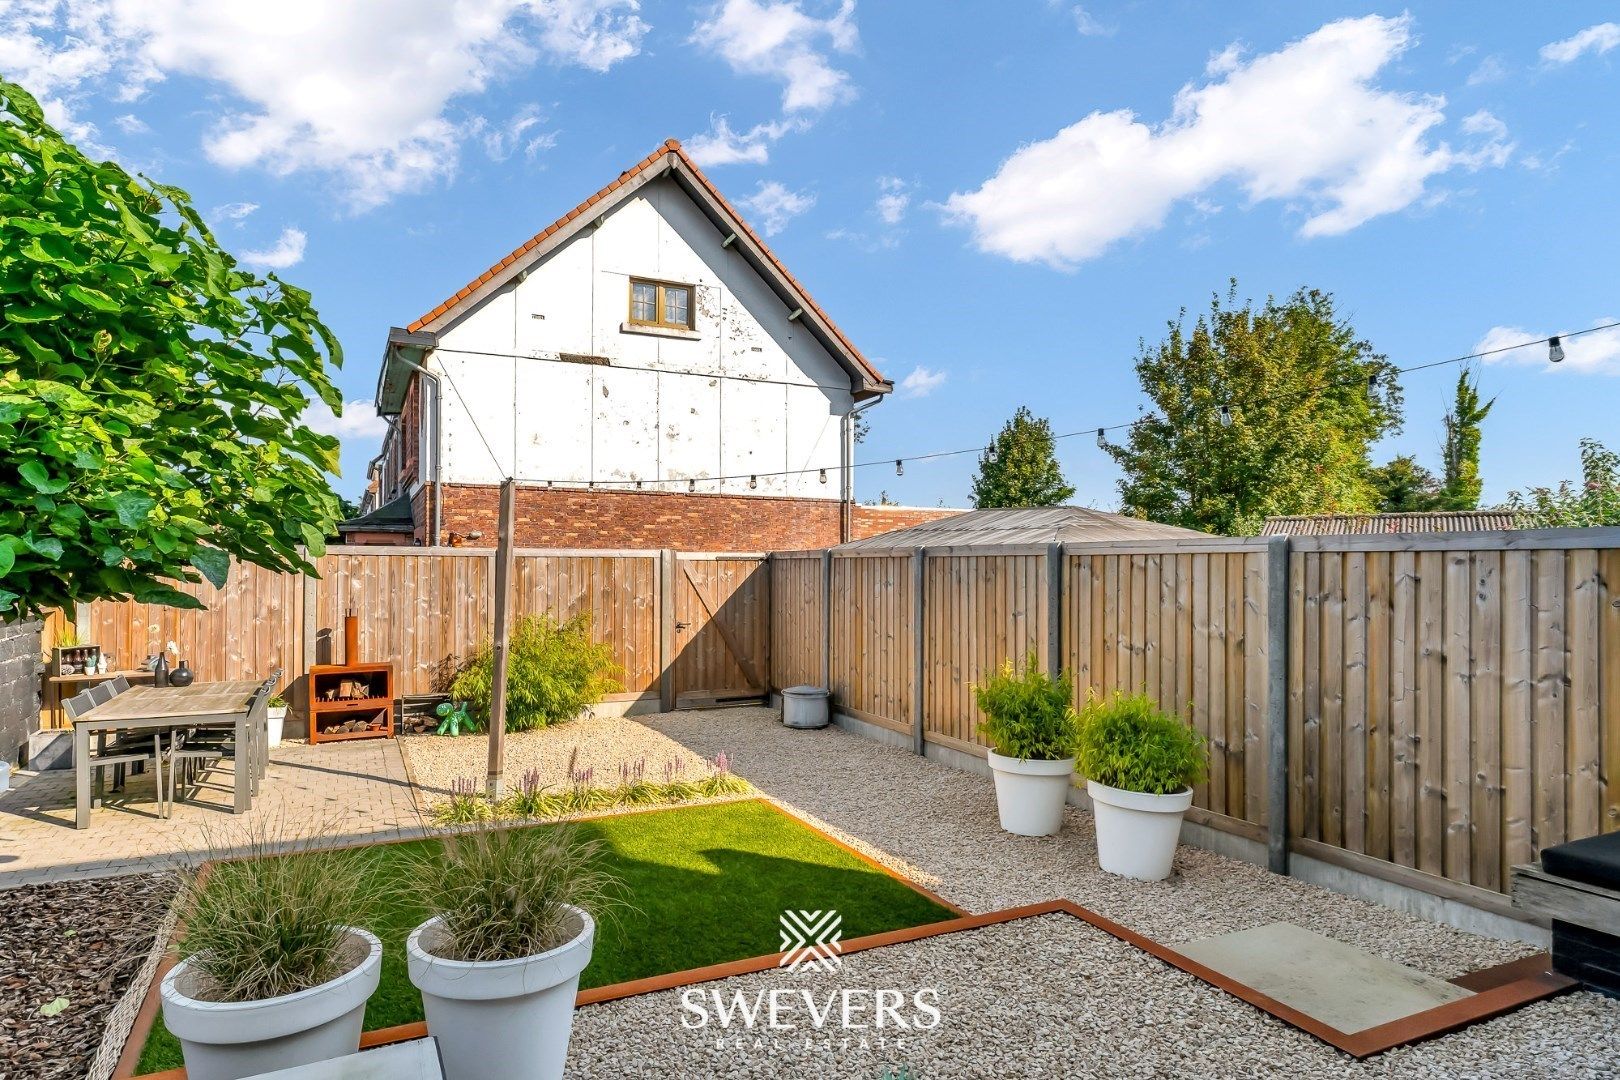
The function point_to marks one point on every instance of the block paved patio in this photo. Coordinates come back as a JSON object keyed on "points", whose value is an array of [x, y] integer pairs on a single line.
{"points": [[352, 792]]}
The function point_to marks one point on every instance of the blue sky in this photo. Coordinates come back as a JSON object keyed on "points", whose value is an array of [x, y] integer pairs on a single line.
{"points": [[995, 201]]}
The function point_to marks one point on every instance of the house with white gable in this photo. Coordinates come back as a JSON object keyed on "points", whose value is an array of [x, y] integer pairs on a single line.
{"points": [[649, 373]]}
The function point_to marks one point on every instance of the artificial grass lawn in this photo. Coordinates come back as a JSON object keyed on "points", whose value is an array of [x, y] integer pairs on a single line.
{"points": [[709, 884]]}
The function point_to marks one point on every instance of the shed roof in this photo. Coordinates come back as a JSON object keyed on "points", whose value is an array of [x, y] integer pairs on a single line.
{"points": [[397, 516], [1440, 521], [1026, 525]]}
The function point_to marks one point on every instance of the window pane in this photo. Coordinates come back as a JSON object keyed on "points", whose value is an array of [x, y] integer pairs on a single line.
{"points": [[644, 303], [677, 305]]}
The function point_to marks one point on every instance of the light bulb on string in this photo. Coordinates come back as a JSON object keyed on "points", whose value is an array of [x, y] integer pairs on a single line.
{"points": [[1102, 438], [753, 482], [1226, 416], [823, 476], [1555, 349], [899, 467]]}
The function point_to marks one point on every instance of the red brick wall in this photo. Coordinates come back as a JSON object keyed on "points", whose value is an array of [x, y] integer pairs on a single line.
{"points": [[872, 520], [575, 518]]}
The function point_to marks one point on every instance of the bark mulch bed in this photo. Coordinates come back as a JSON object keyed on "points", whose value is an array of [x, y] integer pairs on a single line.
{"points": [[82, 941]]}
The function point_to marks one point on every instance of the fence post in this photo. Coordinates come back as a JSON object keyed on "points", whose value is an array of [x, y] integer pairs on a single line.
{"points": [[826, 622], [1054, 608], [311, 630], [1277, 704], [666, 629], [920, 653], [503, 612]]}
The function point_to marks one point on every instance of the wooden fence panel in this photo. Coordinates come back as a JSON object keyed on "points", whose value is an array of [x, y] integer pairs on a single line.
{"points": [[1481, 701], [873, 638], [986, 609], [618, 592], [1187, 627], [797, 621], [249, 628]]}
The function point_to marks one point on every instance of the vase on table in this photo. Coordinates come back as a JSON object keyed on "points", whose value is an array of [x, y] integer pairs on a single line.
{"points": [[182, 675], [160, 671]]}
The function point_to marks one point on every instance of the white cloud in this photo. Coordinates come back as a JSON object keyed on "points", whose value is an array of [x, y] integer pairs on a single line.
{"points": [[287, 251], [1087, 24], [359, 420], [1305, 125], [921, 382], [1594, 39], [360, 89], [779, 39], [1491, 69], [233, 212], [130, 124], [1593, 353], [720, 145], [893, 199], [501, 141], [776, 205]]}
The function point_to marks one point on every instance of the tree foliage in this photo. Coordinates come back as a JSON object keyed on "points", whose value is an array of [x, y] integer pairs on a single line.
{"points": [[1020, 467], [150, 390], [554, 672], [1404, 486], [1300, 417], [1594, 501], [1463, 483]]}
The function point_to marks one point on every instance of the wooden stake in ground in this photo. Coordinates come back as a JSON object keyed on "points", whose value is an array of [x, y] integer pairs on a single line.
{"points": [[503, 611]]}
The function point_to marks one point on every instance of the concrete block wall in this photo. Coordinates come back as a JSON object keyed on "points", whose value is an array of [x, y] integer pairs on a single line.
{"points": [[19, 685]]}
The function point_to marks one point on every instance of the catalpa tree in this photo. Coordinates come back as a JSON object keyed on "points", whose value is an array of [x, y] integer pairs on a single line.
{"points": [[150, 390]]}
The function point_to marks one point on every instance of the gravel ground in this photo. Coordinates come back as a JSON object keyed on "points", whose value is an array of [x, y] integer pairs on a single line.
{"points": [[602, 742], [1053, 997], [79, 940], [938, 826]]}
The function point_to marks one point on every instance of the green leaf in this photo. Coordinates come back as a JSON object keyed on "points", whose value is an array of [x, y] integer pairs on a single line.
{"points": [[214, 564], [92, 298], [313, 538], [8, 558], [132, 508], [155, 592], [40, 480], [48, 546]]}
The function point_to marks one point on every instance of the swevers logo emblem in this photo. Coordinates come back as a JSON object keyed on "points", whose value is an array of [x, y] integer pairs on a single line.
{"points": [[812, 939]]}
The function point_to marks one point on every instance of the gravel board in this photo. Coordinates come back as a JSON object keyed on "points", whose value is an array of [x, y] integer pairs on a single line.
{"points": [[79, 940], [1050, 997], [603, 743]]}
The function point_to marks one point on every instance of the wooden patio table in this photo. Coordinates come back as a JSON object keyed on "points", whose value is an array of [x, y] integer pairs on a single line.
{"points": [[160, 708]]}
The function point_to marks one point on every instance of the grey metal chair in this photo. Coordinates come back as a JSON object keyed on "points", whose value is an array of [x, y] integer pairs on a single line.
{"points": [[101, 693], [119, 684], [121, 754]]}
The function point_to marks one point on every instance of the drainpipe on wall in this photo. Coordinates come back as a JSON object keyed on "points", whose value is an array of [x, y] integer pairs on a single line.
{"points": [[846, 515], [438, 495]]}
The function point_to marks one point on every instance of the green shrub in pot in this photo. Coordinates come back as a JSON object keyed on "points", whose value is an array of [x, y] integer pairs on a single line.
{"points": [[1140, 764], [275, 969], [498, 964], [1126, 741], [1028, 716], [1030, 723]]}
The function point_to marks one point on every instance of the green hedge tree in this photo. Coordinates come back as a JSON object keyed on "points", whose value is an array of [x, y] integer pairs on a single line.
{"points": [[1020, 467], [1299, 417], [1463, 483], [1594, 501], [150, 390]]}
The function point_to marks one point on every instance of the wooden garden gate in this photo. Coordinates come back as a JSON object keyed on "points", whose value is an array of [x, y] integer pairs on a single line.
{"points": [[717, 629]]}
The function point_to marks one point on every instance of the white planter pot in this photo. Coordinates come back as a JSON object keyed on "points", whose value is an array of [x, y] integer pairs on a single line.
{"points": [[1137, 833], [276, 717], [1030, 795], [223, 1040], [501, 1019]]}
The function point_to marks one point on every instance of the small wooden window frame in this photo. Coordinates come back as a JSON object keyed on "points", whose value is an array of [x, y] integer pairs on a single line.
{"points": [[661, 319]]}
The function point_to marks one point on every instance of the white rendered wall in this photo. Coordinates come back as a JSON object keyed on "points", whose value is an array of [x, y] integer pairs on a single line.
{"points": [[752, 393]]}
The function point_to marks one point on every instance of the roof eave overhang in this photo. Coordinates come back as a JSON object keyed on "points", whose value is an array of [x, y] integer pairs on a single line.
{"points": [[394, 378]]}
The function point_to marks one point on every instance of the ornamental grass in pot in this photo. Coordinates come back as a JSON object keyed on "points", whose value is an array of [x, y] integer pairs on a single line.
{"points": [[1140, 764], [1029, 720], [274, 969], [515, 913]]}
